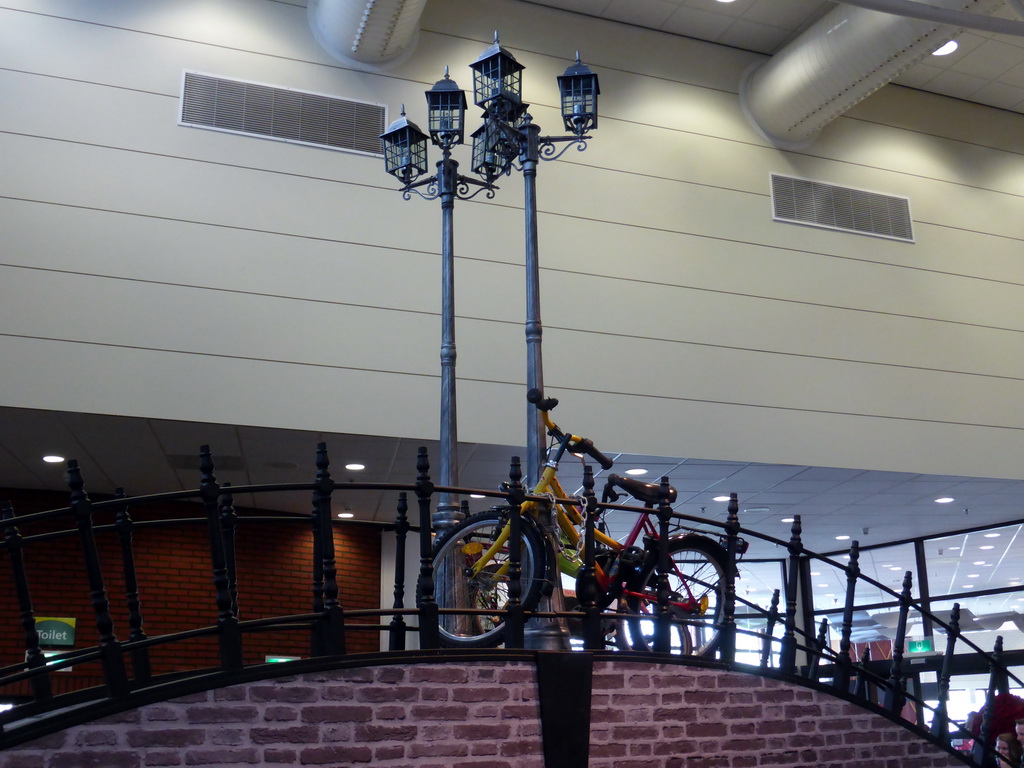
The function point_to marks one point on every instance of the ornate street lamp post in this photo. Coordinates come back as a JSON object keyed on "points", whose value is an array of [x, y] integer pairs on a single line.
{"points": [[405, 158], [508, 133]]}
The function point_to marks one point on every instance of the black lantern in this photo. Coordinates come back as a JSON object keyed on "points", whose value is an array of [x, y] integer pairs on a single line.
{"points": [[493, 150], [497, 81], [579, 90], [405, 149], [446, 110]]}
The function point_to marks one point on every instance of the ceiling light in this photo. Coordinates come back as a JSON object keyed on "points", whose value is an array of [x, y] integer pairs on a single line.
{"points": [[895, 568], [993, 535], [636, 471], [946, 49], [345, 515], [788, 520], [966, 586], [945, 500], [355, 467], [987, 546], [720, 498], [823, 585], [973, 575], [477, 496], [53, 459], [978, 562], [815, 573], [842, 538]]}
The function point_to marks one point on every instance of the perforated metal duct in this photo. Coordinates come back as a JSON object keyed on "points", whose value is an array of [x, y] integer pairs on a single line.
{"points": [[844, 57], [370, 33]]}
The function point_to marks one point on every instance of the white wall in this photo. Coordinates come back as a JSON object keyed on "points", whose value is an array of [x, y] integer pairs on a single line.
{"points": [[150, 269]]}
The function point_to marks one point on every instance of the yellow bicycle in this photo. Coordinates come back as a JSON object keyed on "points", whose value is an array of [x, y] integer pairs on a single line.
{"points": [[472, 562]]}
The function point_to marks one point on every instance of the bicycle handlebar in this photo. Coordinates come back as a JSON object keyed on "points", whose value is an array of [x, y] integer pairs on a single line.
{"points": [[577, 444]]}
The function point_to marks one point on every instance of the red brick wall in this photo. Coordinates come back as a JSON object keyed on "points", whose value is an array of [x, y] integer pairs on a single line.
{"points": [[274, 562], [472, 715]]}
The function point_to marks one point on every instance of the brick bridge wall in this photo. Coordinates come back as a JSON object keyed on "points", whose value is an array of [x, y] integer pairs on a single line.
{"points": [[477, 714]]}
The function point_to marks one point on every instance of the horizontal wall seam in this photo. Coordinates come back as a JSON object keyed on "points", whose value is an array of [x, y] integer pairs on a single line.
{"points": [[714, 291], [560, 387]]}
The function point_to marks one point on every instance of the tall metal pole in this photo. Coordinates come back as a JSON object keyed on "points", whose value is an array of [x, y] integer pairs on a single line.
{"points": [[540, 633], [536, 438], [447, 514]]}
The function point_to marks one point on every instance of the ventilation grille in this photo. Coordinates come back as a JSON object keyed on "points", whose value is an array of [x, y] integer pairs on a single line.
{"points": [[281, 113], [851, 210]]}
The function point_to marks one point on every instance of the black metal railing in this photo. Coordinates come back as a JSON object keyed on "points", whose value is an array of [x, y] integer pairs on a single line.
{"points": [[802, 652]]}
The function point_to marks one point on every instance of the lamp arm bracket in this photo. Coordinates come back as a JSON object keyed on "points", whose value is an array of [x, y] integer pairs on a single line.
{"points": [[548, 150], [432, 193]]}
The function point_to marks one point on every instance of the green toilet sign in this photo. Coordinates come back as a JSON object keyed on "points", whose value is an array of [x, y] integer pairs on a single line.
{"points": [[55, 631]]}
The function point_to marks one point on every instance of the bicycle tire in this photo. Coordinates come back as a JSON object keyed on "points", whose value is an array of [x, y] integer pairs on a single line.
{"points": [[455, 552], [700, 562]]}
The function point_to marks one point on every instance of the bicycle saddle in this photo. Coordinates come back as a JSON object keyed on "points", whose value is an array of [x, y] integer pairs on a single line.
{"points": [[648, 493]]}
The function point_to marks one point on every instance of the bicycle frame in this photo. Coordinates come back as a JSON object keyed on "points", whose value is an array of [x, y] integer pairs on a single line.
{"points": [[568, 520]]}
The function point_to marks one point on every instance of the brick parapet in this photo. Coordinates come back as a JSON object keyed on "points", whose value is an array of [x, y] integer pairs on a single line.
{"points": [[480, 713]]}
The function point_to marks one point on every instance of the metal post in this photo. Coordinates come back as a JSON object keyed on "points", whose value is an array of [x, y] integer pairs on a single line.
{"points": [[447, 514], [535, 435]]}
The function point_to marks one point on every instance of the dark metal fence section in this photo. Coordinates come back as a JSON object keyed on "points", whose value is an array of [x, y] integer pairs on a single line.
{"points": [[114, 672], [802, 653]]}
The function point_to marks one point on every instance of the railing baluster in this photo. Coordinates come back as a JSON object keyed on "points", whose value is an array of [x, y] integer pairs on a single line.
{"points": [[429, 634], [396, 635], [34, 659], [589, 591], [895, 696], [123, 524], [229, 634], [864, 688], [727, 631], [114, 672], [769, 630], [982, 752], [820, 643], [228, 524], [332, 626], [841, 681], [663, 616], [515, 618], [787, 654], [940, 721]]}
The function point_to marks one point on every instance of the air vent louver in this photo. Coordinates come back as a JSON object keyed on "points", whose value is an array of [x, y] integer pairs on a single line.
{"points": [[281, 113], [799, 201]]}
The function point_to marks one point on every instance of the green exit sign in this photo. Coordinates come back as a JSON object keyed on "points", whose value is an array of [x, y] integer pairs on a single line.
{"points": [[920, 646]]}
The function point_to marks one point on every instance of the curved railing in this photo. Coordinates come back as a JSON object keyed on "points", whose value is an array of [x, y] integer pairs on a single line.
{"points": [[790, 645]]}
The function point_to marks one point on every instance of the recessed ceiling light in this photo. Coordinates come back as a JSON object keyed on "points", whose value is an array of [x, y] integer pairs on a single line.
{"points": [[815, 573], [993, 535], [477, 496], [946, 49], [345, 515], [895, 568], [636, 471], [842, 538], [355, 467], [945, 500], [823, 585], [720, 498], [788, 520], [53, 459], [954, 549], [987, 546], [966, 586], [973, 575], [978, 562]]}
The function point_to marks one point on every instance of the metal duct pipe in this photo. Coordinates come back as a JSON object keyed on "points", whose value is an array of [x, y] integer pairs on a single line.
{"points": [[844, 57], [366, 33]]}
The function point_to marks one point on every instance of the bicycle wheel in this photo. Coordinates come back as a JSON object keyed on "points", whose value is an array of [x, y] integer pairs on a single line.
{"points": [[696, 584], [454, 587]]}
